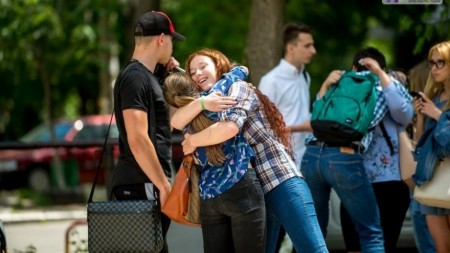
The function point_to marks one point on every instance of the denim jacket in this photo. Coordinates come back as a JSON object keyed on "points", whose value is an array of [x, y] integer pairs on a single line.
{"points": [[434, 144]]}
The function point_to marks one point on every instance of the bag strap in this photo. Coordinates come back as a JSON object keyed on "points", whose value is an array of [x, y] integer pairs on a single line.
{"points": [[187, 162], [152, 138], [386, 137], [91, 194]]}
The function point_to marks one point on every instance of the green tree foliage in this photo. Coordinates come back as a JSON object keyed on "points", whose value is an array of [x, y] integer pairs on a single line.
{"points": [[222, 25], [403, 32], [48, 60], [23, 49]]}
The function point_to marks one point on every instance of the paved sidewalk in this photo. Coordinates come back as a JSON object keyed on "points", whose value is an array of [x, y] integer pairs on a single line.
{"points": [[50, 213]]}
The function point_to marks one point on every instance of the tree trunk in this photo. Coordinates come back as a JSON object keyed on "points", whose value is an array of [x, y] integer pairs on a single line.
{"points": [[109, 57], [266, 22]]}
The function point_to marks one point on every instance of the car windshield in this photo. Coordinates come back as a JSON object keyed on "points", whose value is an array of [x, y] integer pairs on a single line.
{"points": [[41, 133]]}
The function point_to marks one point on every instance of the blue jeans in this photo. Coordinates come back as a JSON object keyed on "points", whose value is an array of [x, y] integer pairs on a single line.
{"points": [[235, 221], [327, 167], [290, 204]]}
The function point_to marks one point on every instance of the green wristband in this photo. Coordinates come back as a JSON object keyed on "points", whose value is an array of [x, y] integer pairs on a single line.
{"points": [[202, 103]]}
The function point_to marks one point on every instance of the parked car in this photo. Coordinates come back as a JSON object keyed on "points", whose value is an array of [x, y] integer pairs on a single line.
{"points": [[35, 168]]}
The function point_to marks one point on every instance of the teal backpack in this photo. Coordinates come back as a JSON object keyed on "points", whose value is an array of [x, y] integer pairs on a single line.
{"points": [[345, 112]]}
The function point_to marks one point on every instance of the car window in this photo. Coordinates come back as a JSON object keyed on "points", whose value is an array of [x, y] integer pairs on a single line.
{"points": [[96, 132], [41, 133], [114, 131]]}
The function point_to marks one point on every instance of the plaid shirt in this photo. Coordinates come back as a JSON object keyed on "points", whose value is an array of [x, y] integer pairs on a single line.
{"points": [[273, 164], [381, 108]]}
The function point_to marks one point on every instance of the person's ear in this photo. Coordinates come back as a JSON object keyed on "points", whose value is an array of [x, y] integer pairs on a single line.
{"points": [[161, 39], [289, 47]]}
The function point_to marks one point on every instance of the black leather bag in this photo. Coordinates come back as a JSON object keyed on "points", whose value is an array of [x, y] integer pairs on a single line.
{"points": [[124, 226]]}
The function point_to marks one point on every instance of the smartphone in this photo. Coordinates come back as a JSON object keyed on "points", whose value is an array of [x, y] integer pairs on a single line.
{"points": [[415, 94]]}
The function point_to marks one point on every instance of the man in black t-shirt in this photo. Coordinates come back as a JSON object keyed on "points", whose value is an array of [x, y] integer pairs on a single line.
{"points": [[143, 165]]}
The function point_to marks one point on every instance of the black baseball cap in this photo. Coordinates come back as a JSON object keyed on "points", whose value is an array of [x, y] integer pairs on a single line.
{"points": [[154, 23]]}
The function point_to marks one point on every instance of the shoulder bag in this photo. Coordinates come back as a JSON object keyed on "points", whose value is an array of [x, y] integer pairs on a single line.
{"points": [[436, 192], [183, 203], [406, 159]]}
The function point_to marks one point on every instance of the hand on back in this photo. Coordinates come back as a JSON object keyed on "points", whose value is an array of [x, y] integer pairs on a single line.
{"points": [[216, 102]]}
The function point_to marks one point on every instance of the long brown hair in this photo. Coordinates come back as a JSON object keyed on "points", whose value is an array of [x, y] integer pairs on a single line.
{"points": [[275, 118], [179, 90]]}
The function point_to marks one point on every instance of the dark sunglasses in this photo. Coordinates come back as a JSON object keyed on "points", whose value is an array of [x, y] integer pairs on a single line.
{"points": [[439, 64]]}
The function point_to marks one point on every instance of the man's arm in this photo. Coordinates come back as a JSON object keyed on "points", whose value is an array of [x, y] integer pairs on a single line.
{"points": [[143, 150]]}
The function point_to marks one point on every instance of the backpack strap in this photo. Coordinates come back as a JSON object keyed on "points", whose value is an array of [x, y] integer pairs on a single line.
{"points": [[386, 137], [305, 75]]}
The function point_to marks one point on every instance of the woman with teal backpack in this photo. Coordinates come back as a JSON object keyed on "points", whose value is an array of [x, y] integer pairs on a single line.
{"points": [[341, 167]]}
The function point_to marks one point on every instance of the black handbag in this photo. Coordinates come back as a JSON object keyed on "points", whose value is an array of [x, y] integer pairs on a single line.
{"points": [[123, 226]]}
